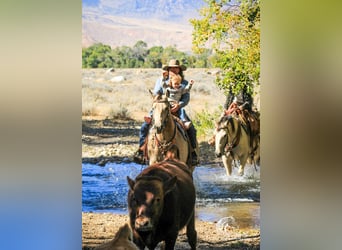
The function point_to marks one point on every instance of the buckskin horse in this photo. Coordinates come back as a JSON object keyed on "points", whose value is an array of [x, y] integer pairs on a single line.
{"points": [[165, 132], [123, 240], [232, 142]]}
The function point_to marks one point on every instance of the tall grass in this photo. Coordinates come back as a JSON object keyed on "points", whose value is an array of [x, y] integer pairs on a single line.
{"points": [[101, 96]]}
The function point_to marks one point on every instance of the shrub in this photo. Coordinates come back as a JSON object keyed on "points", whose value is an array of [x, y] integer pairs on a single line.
{"points": [[205, 121]]}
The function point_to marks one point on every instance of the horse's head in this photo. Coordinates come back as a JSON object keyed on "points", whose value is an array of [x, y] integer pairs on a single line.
{"points": [[224, 129], [161, 112]]}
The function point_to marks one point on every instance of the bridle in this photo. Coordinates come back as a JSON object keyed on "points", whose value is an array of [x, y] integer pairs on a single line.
{"points": [[230, 145], [164, 146], [167, 117]]}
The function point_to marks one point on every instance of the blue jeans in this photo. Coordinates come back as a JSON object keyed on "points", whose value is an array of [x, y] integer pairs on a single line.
{"points": [[143, 133], [182, 115]]}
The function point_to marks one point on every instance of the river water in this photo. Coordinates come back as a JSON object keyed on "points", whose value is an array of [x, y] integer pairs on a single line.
{"points": [[218, 197]]}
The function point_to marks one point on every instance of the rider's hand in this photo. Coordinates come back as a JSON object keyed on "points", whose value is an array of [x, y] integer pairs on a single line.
{"points": [[175, 107]]}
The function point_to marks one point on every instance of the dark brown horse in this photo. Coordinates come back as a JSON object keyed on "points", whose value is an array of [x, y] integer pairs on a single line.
{"points": [[161, 201]]}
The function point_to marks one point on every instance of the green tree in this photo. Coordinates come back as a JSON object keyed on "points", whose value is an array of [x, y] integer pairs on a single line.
{"points": [[172, 52], [138, 56], [232, 30], [95, 56], [139, 53], [153, 57]]}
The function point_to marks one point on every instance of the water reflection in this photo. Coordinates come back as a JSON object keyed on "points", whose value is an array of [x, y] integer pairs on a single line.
{"points": [[246, 214], [104, 189]]}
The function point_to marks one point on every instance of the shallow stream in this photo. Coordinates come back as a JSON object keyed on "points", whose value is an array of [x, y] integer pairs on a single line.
{"points": [[104, 189]]}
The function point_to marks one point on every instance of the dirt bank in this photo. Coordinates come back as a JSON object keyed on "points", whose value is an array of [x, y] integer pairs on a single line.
{"points": [[99, 228], [114, 140]]}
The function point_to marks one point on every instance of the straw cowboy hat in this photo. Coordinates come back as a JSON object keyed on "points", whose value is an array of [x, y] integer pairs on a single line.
{"points": [[174, 63]]}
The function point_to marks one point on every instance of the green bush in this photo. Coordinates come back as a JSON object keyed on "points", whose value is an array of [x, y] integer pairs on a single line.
{"points": [[205, 122]]}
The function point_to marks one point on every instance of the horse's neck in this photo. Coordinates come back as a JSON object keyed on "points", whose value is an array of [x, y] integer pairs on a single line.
{"points": [[236, 132]]}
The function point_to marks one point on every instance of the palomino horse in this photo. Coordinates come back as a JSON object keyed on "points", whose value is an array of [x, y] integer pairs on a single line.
{"points": [[232, 142], [164, 133]]}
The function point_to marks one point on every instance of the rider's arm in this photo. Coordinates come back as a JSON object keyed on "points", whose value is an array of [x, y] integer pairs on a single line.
{"points": [[185, 97], [158, 87]]}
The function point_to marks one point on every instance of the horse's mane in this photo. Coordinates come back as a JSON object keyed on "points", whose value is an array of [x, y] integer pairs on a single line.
{"points": [[227, 119], [160, 98]]}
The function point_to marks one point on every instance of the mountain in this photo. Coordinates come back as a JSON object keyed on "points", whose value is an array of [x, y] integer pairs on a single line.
{"points": [[124, 22]]}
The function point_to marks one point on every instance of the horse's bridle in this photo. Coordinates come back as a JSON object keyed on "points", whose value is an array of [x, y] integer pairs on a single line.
{"points": [[167, 115], [163, 147], [229, 146]]}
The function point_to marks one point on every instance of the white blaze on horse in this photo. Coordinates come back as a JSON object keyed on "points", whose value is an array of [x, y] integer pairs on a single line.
{"points": [[232, 143], [164, 133]]}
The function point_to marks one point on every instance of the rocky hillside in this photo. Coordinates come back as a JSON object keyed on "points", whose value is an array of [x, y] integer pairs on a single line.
{"points": [[124, 22], [167, 10]]}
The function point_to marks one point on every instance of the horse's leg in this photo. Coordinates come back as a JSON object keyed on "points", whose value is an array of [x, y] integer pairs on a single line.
{"points": [[182, 145], [227, 162], [152, 154], [191, 232], [257, 153], [243, 161]]}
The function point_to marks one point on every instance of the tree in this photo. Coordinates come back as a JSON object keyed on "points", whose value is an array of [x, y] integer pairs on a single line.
{"points": [[139, 53], [95, 56], [153, 58], [232, 30]]}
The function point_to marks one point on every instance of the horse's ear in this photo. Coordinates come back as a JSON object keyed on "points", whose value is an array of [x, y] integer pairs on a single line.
{"points": [[167, 94], [131, 183], [151, 93], [156, 97]]}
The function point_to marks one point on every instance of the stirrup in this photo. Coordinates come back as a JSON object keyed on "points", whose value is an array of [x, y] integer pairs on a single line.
{"points": [[139, 157]]}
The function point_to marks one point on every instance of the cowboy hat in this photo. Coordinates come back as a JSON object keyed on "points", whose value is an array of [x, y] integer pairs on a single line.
{"points": [[174, 63]]}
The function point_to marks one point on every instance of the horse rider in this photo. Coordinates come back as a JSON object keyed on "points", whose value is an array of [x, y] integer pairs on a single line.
{"points": [[241, 105]]}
